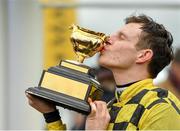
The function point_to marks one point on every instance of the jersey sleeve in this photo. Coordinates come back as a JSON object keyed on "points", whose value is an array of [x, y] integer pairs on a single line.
{"points": [[162, 116], [57, 125]]}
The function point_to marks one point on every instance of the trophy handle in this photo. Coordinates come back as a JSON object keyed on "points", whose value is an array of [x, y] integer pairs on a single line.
{"points": [[80, 58]]}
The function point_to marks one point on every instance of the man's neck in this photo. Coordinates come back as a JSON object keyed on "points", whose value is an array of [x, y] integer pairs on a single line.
{"points": [[127, 76]]}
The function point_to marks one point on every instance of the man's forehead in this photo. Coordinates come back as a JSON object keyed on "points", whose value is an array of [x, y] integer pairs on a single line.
{"points": [[132, 27], [131, 30]]}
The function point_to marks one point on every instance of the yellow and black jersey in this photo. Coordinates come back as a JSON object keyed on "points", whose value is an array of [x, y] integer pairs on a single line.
{"points": [[142, 106]]}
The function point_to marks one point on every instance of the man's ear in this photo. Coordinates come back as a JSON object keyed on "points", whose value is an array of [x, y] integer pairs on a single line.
{"points": [[144, 56]]}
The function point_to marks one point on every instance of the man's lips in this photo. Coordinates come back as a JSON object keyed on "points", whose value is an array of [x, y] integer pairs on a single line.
{"points": [[106, 44], [102, 49]]}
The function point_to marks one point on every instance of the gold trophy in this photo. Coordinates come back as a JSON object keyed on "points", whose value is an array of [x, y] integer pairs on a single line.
{"points": [[71, 83]]}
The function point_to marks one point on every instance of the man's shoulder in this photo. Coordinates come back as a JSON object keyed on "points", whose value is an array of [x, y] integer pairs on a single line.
{"points": [[159, 96], [151, 97]]}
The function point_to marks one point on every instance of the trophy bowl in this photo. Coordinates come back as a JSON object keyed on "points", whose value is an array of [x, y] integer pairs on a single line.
{"points": [[71, 83], [85, 42]]}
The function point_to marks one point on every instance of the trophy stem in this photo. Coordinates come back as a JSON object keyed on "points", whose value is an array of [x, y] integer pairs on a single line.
{"points": [[80, 58]]}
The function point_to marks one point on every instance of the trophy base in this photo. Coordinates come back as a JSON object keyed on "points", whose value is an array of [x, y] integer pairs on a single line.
{"points": [[61, 99], [68, 85]]}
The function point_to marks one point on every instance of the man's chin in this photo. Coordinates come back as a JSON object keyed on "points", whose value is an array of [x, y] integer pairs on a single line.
{"points": [[100, 61], [103, 63]]}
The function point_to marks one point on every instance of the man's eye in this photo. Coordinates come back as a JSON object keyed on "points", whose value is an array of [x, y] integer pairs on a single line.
{"points": [[121, 37]]}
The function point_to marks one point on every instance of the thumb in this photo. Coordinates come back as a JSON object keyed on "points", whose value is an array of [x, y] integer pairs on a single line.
{"points": [[93, 108]]}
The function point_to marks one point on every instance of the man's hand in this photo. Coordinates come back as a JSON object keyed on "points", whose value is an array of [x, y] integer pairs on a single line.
{"points": [[40, 104], [99, 117]]}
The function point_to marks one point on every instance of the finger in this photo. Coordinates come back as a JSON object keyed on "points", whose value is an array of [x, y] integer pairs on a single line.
{"points": [[93, 107], [104, 106], [98, 106], [102, 110], [32, 97], [29, 96], [101, 107], [31, 100], [89, 100], [106, 111]]}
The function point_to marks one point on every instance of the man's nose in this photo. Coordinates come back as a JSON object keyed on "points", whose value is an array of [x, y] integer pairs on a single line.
{"points": [[108, 41], [111, 38]]}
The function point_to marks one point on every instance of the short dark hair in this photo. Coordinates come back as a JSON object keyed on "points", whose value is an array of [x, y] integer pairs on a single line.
{"points": [[154, 36]]}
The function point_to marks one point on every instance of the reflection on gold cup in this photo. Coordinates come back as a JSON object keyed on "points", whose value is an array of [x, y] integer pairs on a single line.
{"points": [[71, 83], [86, 43]]}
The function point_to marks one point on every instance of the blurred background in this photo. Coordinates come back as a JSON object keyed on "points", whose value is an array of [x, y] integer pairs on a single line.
{"points": [[34, 35]]}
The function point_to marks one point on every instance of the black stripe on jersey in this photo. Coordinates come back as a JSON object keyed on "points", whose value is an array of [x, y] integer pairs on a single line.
{"points": [[174, 105], [156, 102], [162, 93], [114, 113], [137, 115], [120, 126], [137, 98]]}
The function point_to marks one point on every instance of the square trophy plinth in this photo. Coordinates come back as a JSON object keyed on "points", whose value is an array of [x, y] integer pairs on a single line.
{"points": [[68, 85]]}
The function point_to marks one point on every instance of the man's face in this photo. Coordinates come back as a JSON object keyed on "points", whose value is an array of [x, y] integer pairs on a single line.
{"points": [[121, 52]]}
